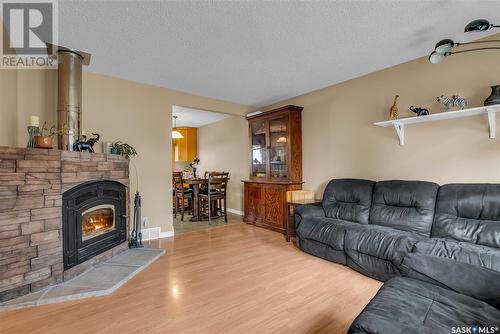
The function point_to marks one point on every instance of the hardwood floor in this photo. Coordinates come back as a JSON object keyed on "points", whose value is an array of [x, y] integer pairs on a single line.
{"points": [[220, 280], [189, 226]]}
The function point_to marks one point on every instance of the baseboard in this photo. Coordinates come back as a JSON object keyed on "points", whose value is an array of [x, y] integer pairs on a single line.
{"points": [[155, 233], [236, 212], [167, 234]]}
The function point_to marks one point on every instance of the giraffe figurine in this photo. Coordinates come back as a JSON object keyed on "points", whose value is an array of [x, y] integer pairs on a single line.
{"points": [[394, 109]]}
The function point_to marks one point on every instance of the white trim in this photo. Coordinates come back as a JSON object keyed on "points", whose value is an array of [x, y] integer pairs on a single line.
{"points": [[167, 234], [236, 212], [157, 233]]}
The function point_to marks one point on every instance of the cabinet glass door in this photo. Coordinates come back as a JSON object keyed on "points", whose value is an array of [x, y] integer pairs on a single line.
{"points": [[259, 149], [278, 153]]}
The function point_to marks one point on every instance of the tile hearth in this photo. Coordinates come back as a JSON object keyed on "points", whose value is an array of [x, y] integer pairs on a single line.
{"points": [[100, 280]]}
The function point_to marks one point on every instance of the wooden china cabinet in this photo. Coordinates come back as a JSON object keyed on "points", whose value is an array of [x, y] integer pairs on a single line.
{"points": [[275, 166]]}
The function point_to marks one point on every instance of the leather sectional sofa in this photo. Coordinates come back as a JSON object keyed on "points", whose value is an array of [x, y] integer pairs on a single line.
{"points": [[436, 248]]}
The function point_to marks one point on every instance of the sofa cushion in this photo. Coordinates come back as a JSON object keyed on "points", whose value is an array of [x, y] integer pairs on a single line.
{"points": [[348, 199], [405, 305], [469, 212], [328, 231], [460, 251], [307, 211], [378, 251], [321, 250], [477, 282], [404, 205]]}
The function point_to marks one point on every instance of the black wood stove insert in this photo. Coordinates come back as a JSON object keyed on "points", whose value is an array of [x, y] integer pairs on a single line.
{"points": [[94, 220]]}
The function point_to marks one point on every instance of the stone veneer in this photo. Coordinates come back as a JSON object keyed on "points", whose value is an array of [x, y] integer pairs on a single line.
{"points": [[32, 182]]}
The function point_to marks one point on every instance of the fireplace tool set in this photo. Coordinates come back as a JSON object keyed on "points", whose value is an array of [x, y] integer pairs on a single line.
{"points": [[136, 235]]}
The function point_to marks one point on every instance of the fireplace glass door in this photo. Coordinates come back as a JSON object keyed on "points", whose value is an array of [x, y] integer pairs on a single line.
{"points": [[94, 220], [97, 221]]}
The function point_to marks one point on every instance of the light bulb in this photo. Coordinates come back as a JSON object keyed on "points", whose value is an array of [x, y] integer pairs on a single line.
{"points": [[177, 135], [436, 57]]}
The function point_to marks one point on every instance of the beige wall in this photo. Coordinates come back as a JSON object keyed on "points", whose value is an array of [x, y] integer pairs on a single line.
{"points": [[181, 166], [24, 93], [36, 95], [118, 109], [8, 107], [8, 103], [223, 146], [339, 139]]}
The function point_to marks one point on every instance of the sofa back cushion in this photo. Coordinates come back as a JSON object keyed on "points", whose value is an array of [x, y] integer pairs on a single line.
{"points": [[348, 199], [404, 205], [468, 212]]}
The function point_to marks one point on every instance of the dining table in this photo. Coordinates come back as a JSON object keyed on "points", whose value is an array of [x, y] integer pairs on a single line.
{"points": [[195, 184]]}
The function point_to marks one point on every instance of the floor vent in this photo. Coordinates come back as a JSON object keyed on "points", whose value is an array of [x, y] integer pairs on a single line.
{"points": [[151, 233]]}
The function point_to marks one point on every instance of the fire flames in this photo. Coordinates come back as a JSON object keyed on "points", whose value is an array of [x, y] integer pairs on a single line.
{"points": [[100, 221]]}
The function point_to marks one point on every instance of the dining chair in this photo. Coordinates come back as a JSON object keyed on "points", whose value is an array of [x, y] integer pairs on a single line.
{"points": [[182, 195], [213, 198], [206, 175]]}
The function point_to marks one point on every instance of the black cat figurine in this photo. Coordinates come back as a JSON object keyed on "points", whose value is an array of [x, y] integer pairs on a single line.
{"points": [[420, 111]]}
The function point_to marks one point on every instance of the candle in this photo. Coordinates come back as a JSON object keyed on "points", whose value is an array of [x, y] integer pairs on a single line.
{"points": [[84, 133], [34, 121]]}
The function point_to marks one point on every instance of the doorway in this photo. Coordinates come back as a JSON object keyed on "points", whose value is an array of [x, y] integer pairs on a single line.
{"points": [[199, 153]]}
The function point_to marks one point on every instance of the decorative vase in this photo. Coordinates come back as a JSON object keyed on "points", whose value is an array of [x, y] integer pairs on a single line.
{"points": [[494, 97], [33, 131], [106, 147], [115, 150], [44, 141]]}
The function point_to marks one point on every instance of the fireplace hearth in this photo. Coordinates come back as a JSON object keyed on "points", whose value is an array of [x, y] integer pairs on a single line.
{"points": [[94, 220]]}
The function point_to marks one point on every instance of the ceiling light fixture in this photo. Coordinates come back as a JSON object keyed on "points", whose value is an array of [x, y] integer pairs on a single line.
{"points": [[443, 49], [445, 45], [479, 25], [176, 134]]}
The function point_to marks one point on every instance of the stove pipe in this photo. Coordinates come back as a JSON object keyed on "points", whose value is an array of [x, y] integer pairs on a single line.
{"points": [[69, 95], [69, 98]]}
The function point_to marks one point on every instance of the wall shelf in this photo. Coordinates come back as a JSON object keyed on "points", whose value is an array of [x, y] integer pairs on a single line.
{"points": [[400, 124]]}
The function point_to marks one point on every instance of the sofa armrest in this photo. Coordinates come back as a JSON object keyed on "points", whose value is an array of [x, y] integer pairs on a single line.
{"points": [[307, 211], [471, 280]]}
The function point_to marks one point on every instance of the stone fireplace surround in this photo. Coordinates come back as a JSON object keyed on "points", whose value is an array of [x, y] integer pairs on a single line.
{"points": [[32, 182]]}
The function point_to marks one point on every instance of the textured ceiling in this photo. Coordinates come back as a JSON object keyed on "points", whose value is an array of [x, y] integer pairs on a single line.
{"points": [[195, 118], [260, 52]]}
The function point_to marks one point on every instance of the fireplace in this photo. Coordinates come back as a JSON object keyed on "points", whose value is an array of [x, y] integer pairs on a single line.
{"points": [[94, 220]]}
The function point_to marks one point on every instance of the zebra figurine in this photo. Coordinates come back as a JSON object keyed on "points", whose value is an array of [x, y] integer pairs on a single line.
{"points": [[455, 101]]}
